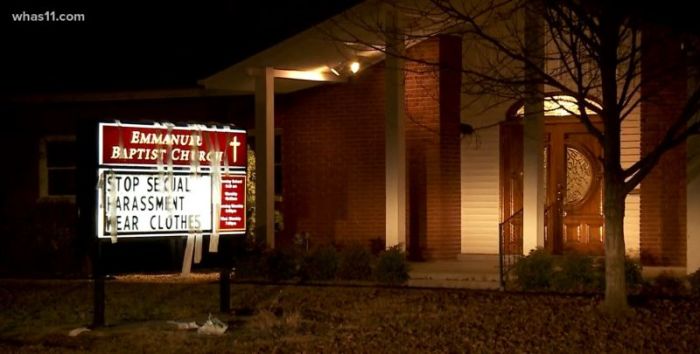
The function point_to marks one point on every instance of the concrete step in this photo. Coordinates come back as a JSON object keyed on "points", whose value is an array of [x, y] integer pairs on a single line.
{"points": [[454, 267], [455, 276], [476, 274], [479, 258], [454, 283]]}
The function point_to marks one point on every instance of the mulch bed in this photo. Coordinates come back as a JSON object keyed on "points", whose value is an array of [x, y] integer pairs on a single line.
{"points": [[36, 316]]}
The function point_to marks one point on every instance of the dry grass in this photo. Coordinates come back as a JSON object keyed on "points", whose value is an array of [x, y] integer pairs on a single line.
{"points": [[267, 321], [36, 316]]}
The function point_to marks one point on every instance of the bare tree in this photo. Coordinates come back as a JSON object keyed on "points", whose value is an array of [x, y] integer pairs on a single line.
{"points": [[589, 49]]}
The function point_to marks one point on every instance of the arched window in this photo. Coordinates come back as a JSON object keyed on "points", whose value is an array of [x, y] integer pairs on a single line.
{"points": [[554, 106]]}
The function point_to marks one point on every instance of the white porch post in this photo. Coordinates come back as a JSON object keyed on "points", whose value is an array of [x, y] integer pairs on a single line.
{"points": [[395, 136], [264, 150], [533, 137], [693, 186]]}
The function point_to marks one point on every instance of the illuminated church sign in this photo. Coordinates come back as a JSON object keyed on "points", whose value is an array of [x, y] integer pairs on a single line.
{"points": [[166, 180]]}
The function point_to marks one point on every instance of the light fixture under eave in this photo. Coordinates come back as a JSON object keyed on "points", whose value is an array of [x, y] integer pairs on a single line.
{"points": [[335, 71], [354, 67]]}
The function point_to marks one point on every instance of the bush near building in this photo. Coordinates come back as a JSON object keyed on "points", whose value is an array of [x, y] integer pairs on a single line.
{"points": [[571, 272], [324, 263]]}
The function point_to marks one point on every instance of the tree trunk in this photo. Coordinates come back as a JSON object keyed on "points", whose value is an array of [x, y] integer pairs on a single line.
{"points": [[615, 286]]}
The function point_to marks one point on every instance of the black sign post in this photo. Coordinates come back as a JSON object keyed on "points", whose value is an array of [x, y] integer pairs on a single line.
{"points": [[87, 180], [225, 276], [98, 318]]}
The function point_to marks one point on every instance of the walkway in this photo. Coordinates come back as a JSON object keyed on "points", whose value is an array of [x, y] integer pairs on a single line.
{"points": [[471, 272]]}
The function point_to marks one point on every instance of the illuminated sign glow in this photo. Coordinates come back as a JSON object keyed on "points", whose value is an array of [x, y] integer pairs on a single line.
{"points": [[138, 145], [158, 180]]}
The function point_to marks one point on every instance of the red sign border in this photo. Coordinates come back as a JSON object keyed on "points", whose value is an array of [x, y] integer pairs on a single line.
{"points": [[225, 128]]}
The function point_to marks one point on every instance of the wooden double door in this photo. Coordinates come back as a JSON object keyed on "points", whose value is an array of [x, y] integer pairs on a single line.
{"points": [[573, 184]]}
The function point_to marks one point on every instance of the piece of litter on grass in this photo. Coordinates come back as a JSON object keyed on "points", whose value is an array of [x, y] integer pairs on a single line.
{"points": [[76, 332], [213, 326], [184, 325]]}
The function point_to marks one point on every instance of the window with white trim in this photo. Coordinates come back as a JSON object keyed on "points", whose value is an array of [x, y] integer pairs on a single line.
{"points": [[57, 167]]}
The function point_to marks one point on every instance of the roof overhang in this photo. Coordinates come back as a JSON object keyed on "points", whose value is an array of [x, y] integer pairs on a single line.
{"points": [[310, 58], [321, 54]]}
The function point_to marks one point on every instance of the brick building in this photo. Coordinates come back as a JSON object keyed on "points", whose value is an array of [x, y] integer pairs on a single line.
{"points": [[354, 157]]}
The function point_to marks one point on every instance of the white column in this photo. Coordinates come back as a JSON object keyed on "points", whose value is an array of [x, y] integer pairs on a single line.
{"points": [[533, 138], [264, 155], [693, 188], [395, 137], [533, 181]]}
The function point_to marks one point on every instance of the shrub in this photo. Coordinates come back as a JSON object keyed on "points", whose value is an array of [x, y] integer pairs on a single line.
{"points": [[392, 267], [633, 274], [278, 265], [354, 263], [694, 280], [320, 264], [377, 245], [665, 284], [534, 271], [577, 273], [248, 266], [571, 272]]}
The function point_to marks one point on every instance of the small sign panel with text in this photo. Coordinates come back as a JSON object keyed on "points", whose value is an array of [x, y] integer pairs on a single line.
{"points": [[233, 213], [141, 203]]}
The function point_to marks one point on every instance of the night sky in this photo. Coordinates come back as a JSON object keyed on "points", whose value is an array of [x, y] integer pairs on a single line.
{"points": [[139, 44], [131, 44]]}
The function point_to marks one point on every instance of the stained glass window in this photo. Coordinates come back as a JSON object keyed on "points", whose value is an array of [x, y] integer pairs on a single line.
{"points": [[579, 175]]}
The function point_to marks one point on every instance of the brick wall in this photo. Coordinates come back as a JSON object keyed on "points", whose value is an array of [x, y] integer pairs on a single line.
{"points": [[333, 158], [663, 192], [432, 140]]}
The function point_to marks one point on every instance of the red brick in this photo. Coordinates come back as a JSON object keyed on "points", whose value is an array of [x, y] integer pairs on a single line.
{"points": [[333, 157], [663, 191]]}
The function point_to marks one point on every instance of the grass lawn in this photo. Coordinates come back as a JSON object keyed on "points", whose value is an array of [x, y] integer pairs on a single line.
{"points": [[36, 316]]}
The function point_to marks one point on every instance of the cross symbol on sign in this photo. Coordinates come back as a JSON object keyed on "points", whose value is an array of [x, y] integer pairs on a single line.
{"points": [[235, 144]]}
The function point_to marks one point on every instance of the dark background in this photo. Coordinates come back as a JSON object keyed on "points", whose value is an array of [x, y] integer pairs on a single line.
{"points": [[136, 45], [153, 44]]}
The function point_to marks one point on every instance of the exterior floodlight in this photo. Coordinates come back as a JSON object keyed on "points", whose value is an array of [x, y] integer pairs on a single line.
{"points": [[354, 67]]}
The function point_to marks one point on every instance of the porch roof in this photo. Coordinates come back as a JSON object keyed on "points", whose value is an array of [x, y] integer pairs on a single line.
{"points": [[322, 53]]}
